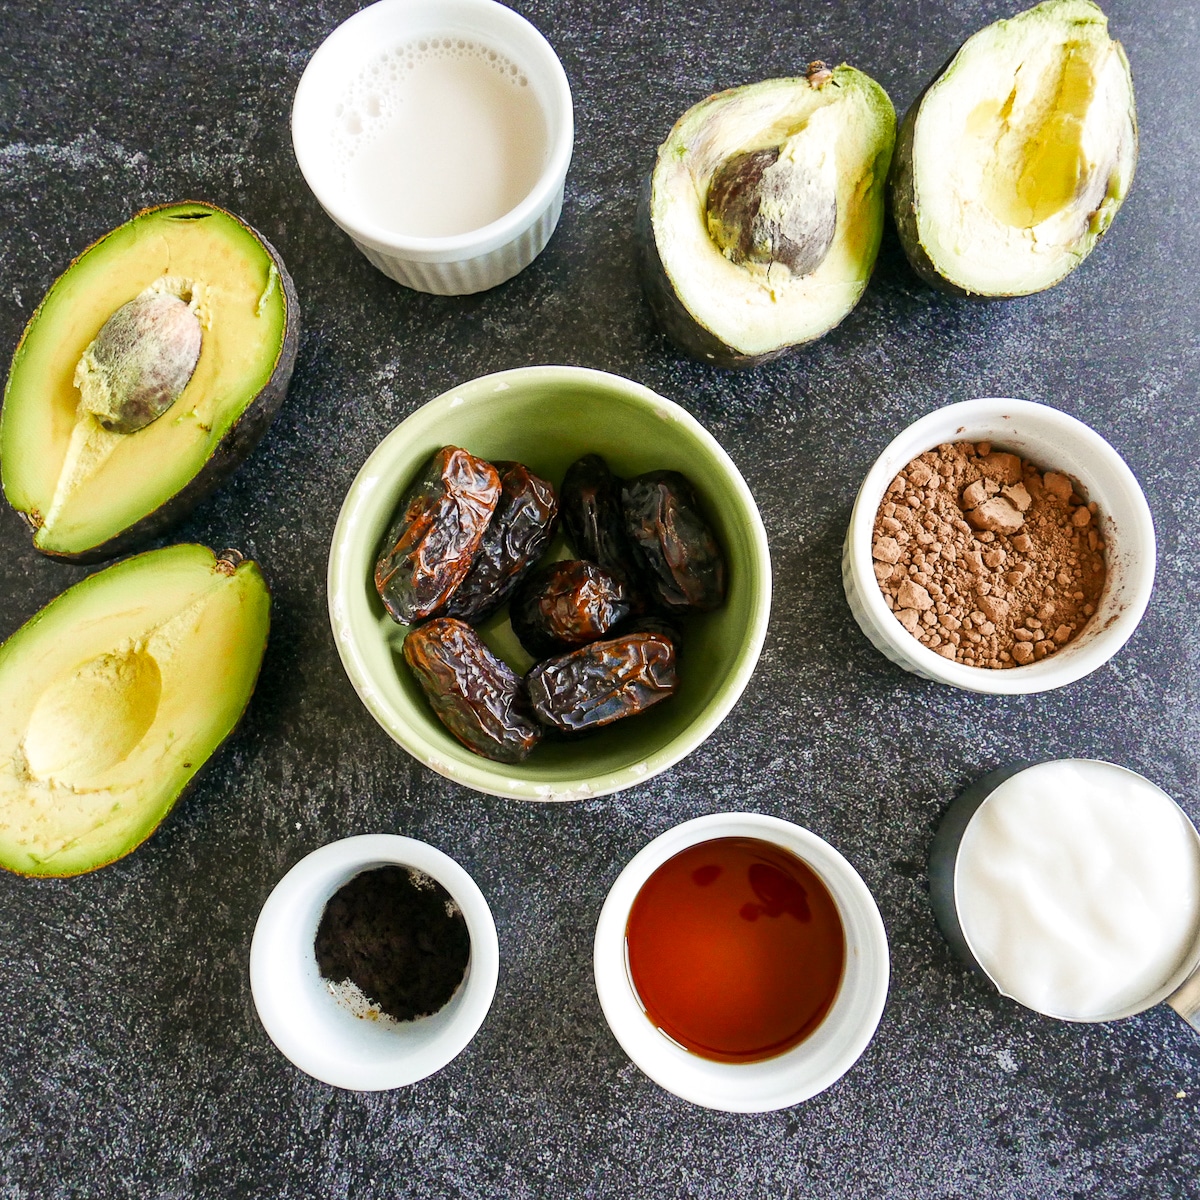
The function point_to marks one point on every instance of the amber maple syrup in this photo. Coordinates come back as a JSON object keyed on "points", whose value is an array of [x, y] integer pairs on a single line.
{"points": [[736, 949]]}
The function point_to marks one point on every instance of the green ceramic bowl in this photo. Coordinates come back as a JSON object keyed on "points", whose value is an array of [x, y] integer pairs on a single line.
{"points": [[546, 417]]}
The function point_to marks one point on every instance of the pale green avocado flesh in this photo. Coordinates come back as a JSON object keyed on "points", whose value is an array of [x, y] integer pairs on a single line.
{"points": [[1016, 158], [112, 698], [87, 469], [765, 213]]}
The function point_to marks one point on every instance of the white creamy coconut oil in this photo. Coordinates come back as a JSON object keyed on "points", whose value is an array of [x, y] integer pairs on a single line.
{"points": [[1077, 886]]}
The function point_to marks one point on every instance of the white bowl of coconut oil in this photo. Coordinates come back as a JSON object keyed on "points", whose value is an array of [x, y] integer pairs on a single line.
{"points": [[437, 134], [1074, 886]]}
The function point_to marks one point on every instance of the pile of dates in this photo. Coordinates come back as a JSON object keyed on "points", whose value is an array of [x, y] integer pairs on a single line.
{"points": [[468, 539]]}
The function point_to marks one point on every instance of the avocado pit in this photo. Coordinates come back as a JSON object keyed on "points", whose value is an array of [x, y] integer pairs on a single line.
{"points": [[141, 360], [774, 206]]}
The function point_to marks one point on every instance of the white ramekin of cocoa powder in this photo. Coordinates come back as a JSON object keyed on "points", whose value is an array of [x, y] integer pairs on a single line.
{"points": [[999, 546]]}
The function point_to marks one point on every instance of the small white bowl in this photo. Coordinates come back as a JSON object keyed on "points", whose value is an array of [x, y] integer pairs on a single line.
{"points": [[1055, 442], [788, 1078], [318, 1032], [463, 263]]}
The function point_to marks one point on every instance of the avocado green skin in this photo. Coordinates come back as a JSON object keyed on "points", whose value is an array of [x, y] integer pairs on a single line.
{"points": [[235, 446], [235, 556], [673, 318]]}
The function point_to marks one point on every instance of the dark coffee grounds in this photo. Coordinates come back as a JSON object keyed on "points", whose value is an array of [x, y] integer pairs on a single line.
{"points": [[399, 937], [986, 558]]}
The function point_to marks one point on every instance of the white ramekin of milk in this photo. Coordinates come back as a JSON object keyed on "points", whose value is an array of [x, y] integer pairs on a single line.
{"points": [[1074, 886], [437, 134]]}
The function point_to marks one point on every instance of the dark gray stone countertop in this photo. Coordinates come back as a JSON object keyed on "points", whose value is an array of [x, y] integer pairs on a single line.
{"points": [[131, 1059]]}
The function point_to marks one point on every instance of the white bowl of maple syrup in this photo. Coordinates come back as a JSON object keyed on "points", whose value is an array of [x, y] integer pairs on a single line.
{"points": [[741, 962]]}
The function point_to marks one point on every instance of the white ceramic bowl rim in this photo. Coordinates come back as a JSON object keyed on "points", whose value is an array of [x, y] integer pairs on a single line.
{"points": [[800, 1073], [477, 18], [344, 582], [1098, 643], [314, 1030]]}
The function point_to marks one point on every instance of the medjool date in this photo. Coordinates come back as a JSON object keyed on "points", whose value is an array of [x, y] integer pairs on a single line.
{"points": [[429, 549], [672, 543], [568, 604], [590, 500], [603, 682], [476, 696], [518, 534], [591, 511]]}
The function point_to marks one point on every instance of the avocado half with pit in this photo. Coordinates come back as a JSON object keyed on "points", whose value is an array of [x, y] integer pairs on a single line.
{"points": [[150, 370], [114, 695], [1014, 160], [761, 220]]}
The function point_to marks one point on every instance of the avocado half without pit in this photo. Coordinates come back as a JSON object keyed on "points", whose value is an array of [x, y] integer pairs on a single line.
{"points": [[114, 695], [1015, 159], [150, 370], [761, 220]]}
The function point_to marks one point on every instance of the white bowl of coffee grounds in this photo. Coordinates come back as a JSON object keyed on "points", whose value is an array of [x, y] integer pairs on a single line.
{"points": [[1055, 442], [333, 1032]]}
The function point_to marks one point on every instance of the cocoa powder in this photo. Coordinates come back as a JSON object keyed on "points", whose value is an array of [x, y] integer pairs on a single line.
{"points": [[986, 558]]}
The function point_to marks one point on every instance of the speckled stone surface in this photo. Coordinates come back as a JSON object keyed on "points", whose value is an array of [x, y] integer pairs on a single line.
{"points": [[131, 1059]]}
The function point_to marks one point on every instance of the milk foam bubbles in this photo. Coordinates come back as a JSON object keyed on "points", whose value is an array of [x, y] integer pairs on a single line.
{"points": [[437, 137], [1077, 885]]}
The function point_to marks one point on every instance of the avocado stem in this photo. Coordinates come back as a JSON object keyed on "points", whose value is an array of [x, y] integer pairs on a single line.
{"points": [[228, 561], [818, 74]]}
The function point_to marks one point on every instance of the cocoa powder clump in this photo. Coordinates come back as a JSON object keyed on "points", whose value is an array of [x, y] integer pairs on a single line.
{"points": [[986, 558]]}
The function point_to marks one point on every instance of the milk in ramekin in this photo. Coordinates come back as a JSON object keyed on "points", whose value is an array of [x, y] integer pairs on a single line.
{"points": [[437, 134]]}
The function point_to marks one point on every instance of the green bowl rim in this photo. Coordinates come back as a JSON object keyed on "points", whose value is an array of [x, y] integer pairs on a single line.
{"points": [[495, 778]]}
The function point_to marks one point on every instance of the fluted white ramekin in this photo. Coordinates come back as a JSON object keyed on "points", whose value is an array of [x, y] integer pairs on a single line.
{"points": [[462, 263], [1054, 441]]}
